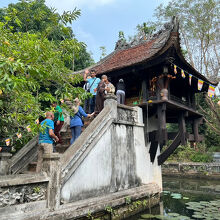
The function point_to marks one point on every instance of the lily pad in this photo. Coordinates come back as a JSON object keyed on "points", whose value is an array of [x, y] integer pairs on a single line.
{"points": [[185, 198], [176, 195], [181, 217], [198, 216], [146, 216], [166, 192], [173, 214], [162, 217]]}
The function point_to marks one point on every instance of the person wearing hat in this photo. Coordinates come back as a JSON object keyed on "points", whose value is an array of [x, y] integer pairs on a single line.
{"points": [[76, 122], [120, 91]]}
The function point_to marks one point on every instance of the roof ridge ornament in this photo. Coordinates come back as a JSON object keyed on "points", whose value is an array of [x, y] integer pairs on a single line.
{"points": [[172, 26]]}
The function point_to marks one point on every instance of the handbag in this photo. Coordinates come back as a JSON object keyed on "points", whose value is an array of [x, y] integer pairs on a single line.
{"points": [[88, 89]]}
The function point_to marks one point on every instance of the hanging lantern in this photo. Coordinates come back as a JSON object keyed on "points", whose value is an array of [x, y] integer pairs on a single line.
{"points": [[28, 128], [19, 135], [7, 141]]}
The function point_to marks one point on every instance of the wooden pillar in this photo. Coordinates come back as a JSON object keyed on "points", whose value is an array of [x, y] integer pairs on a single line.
{"points": [[193, 101], [144, 91], [162, 131], [189, 98], [182, 127], [196, 123]]}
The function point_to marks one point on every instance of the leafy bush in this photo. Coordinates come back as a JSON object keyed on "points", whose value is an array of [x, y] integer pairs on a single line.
{"points": [[189, 154], [201, 157]]}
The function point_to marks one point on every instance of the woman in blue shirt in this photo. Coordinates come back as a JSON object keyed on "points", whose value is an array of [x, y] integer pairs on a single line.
{"points": [[76, 122]]}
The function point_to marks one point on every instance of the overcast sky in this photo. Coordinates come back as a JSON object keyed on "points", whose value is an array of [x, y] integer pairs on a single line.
{"points": [[101, 20]]}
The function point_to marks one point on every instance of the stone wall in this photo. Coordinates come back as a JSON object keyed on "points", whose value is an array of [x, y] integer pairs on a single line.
{"points": [[114, 158], [22, 189], [22, 193], [200, 170]]}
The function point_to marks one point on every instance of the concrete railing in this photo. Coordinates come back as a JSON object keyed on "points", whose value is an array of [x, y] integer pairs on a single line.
{"points": [[23, 157], [19, 193], [192, 169], [75, 154]]}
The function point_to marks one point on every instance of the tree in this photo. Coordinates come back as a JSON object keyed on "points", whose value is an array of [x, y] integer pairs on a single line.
{"points": [[83, 59], [34, 16], [199, 28], [33, 73], [103, 52], [143, 32]]}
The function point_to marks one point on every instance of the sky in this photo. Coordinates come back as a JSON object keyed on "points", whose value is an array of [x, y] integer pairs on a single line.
{"points": [[101, 20]]}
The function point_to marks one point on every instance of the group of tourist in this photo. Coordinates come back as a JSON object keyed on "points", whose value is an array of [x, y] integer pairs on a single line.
{"points": [[54, 121], [99, 88]]}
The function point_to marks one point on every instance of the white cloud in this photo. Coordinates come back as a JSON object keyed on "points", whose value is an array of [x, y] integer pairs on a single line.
{"points": [[65, 5]]}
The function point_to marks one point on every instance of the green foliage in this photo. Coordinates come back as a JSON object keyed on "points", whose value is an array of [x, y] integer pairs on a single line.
{"points": [[36, 189], [83, 59], [199, 28], [189, 154], [34, 68], [146, 28], [103, 52], [211, 111], [201, 157]]}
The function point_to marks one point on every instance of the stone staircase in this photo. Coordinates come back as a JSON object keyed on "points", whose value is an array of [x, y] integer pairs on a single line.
{"points": [[60, 148]]}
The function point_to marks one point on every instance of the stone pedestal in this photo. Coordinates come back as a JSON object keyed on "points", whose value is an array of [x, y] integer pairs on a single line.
{"points": [[51, 165], [4, 163]]}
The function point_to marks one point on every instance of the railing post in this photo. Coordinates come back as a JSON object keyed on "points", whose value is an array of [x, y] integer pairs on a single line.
{"points": [[52, 166], [111, 100], [4, 163]]}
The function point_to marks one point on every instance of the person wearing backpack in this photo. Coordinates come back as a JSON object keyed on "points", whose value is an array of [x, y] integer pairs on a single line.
{"points": [[93, 84]]}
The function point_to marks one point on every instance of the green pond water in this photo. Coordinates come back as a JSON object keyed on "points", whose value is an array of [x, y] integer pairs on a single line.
{"points": [[186, 199]]}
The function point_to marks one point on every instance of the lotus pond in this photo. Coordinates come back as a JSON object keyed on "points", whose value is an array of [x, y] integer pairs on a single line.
{"points": [[185, 199]]}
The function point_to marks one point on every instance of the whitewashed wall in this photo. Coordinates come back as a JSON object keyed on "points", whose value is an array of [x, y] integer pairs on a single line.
{"points": [[119, 160]]}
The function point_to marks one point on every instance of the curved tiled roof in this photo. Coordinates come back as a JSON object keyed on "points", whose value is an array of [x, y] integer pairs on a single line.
{"points": [[130, 55]]}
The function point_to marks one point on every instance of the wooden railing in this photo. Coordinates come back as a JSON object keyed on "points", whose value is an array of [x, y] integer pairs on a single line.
{"points": [[153, 97]]}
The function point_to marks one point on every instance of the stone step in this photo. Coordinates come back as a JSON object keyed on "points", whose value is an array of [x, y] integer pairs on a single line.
{"points": [[32, 167], [65, 134], [61, 148], [66, 141]]}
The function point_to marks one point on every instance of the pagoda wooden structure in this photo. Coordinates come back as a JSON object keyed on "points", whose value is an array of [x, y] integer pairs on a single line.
{"points": [[153, 83]]}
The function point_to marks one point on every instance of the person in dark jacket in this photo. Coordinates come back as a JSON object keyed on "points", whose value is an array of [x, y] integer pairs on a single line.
{"points": [[76, 122], [120, 91], [99, 103]]}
